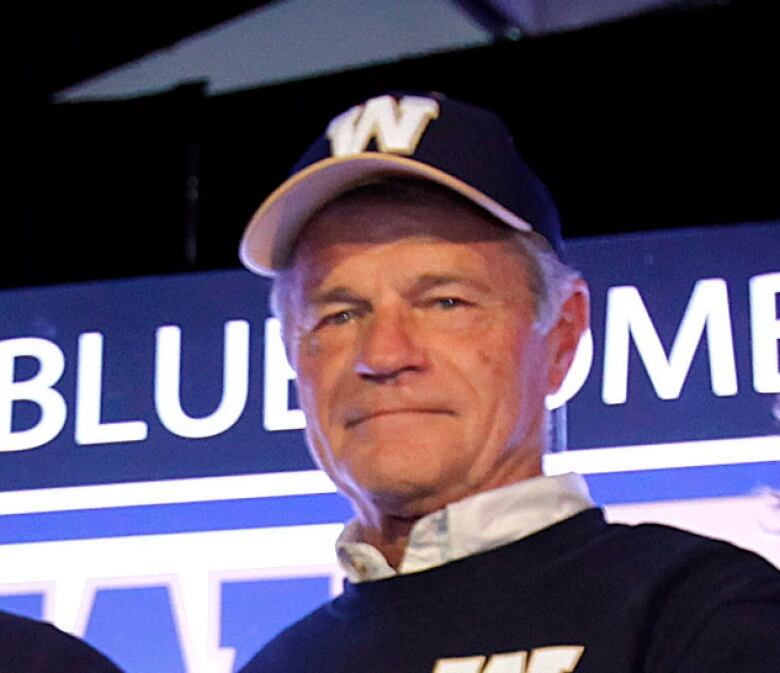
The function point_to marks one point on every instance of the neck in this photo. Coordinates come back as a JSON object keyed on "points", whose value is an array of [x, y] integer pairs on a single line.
{"points": [[389, 532], [391, 537]]}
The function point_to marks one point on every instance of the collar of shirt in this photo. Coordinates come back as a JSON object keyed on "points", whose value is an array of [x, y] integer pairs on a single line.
{"points": [[469, 526]]}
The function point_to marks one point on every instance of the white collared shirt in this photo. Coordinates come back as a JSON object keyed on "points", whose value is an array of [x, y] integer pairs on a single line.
{"points": [[472, 525]]}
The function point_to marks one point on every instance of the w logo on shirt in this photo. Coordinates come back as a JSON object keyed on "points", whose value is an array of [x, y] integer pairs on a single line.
{"points": [[395, 125], [559, 659]]}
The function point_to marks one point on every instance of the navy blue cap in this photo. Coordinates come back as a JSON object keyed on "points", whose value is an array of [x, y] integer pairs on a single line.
{"points": [[461, 146]]}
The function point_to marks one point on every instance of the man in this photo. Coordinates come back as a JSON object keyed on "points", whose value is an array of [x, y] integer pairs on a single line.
{"points": [[29, 646], [427, 316]]}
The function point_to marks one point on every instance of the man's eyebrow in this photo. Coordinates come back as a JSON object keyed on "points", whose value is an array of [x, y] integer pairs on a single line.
{"points": [[336, 295], [430, 281]]}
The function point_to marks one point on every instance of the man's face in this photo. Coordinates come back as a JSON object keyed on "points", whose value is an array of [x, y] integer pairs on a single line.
{"points": [[419, 369]]}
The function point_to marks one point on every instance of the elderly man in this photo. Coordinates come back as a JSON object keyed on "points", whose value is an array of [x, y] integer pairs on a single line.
{"points": [[427, 315]]}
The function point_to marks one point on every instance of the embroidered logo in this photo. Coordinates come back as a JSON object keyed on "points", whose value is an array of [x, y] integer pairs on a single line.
{"points": [[558, 659], [395, 125]]}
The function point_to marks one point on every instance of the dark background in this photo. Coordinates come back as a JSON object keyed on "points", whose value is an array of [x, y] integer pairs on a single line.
{"points": [[666, 120]]}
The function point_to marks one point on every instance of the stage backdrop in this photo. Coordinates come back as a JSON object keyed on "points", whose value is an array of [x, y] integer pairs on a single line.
{"points": [[155, 487]]}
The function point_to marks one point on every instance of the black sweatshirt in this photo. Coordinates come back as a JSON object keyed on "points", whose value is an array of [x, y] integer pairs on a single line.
{"points": [[582, 595], [29, 646]]}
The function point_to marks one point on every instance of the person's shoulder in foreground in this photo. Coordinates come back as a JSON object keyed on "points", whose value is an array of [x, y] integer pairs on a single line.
{"points": [[581, 596], [30, 646], [428, 315]]}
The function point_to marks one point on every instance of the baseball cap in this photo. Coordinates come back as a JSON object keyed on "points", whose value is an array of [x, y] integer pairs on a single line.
{"points": [[427, 136]]}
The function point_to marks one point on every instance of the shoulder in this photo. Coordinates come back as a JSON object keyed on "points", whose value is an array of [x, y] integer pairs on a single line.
{"points": [[660, 570], [712, 605], [303, 646], [667, 545], [37, 647], [670, 553], [588, 542]]}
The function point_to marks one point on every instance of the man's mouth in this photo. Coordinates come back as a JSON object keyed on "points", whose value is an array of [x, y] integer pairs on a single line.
{"points": [[362, 417]]}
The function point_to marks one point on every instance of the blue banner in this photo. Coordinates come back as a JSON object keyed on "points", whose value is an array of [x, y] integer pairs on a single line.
{"points": [[153, 472]]}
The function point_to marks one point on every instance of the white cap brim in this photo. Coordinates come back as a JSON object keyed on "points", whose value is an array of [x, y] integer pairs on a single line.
{"points": [[271, 233]]}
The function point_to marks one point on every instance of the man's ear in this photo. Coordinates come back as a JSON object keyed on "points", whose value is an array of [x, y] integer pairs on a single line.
{"points": [[564, 336]]}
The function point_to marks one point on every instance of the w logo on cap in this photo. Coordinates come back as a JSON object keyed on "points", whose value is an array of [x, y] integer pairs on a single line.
{"points": [[395, 125]]}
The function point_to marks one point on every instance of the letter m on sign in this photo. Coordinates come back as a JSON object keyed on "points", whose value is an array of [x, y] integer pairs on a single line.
{"points": [[559, 659], [395, 126]]}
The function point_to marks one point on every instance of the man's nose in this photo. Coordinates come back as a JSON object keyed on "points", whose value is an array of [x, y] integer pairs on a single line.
{"points": [[390, 347]]}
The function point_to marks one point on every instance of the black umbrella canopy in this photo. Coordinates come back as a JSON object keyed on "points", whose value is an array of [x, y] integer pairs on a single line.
{"points": [[47, 46], [662, 120]]}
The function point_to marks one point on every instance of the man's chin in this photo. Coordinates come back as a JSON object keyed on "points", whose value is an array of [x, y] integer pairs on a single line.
{"points": [[402, 500], [394, 479]]}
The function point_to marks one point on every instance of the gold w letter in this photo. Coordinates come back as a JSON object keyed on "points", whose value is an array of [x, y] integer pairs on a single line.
{"points": [[396, 126], [560, 659]]}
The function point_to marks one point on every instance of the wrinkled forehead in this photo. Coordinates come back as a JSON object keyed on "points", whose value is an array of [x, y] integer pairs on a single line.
{"points": [[364, 244]]}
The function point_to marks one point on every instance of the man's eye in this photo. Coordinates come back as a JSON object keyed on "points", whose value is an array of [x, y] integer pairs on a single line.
{"points": [[449, 302], [338, 318]]}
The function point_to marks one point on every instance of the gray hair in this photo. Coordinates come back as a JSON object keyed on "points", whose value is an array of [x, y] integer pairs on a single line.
{"points": [[551, 280]]}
